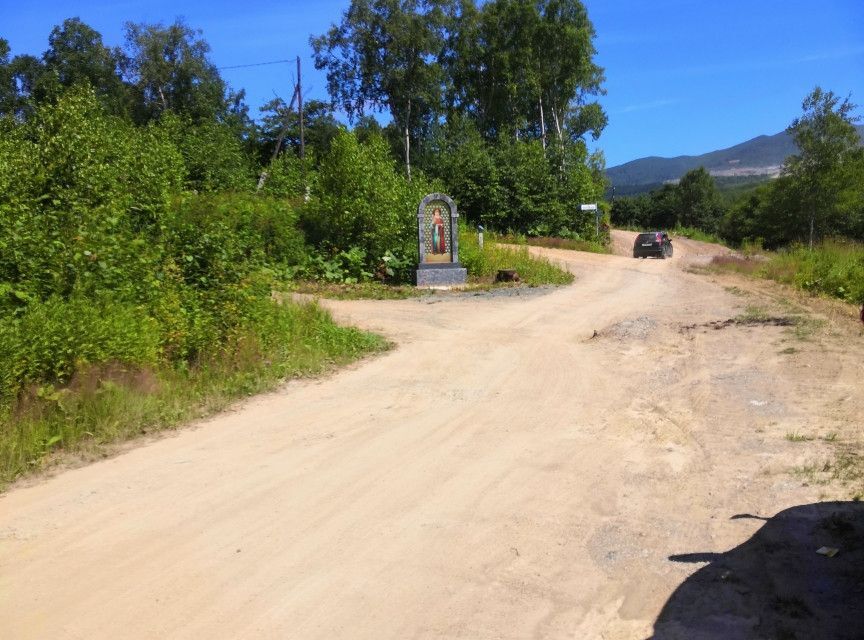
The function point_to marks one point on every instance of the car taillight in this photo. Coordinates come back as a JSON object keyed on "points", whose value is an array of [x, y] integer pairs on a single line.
{"points": [[659, 238]]}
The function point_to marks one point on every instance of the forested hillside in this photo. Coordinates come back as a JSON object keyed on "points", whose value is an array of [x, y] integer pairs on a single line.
{"points": [[762, 156]]}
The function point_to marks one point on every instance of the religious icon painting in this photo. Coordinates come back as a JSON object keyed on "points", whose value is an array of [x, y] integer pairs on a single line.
{"points": [[437, 230]]}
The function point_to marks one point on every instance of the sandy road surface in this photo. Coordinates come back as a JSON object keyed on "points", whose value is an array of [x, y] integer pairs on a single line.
{"points": [[500, 474]]}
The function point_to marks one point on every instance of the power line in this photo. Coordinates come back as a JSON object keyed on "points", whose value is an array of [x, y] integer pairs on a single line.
{"points": [[256, 64]]}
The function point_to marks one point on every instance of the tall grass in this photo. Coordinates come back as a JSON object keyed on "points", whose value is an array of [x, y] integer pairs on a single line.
{"points": [[484, 264], [834, 268], [590, 246], [110, 402]]}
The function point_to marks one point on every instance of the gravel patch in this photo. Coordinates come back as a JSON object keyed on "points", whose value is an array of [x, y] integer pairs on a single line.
{"points": [[636, 329]]}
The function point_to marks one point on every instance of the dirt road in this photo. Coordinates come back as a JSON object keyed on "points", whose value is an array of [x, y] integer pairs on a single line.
{"points": [[500, 474]]}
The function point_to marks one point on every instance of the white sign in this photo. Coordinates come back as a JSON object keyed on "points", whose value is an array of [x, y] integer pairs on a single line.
{"points": [[588, 207]]}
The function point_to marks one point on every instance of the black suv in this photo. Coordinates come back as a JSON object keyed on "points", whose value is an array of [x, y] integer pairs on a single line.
{"points": [[652, 243]]}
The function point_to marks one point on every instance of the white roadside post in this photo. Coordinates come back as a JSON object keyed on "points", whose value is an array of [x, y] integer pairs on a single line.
{"points": [[480, 236], [593, 207]]}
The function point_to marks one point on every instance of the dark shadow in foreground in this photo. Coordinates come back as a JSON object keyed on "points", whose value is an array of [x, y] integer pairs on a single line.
{"points": [[776, 586]]}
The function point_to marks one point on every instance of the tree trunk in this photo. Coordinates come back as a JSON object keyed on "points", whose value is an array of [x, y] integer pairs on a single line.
{"points": [[542, 124], [557, 121], [812, 216], [408, 142]]}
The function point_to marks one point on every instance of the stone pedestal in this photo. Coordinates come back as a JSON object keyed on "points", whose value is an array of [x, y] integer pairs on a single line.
{"points": [[441, 275]]}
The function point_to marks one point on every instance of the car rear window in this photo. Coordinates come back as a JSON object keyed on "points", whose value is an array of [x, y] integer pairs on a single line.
{"points": [[647, 237]]}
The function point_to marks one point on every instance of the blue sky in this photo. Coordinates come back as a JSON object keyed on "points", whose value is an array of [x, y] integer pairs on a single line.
{"points": [[683, 76]]}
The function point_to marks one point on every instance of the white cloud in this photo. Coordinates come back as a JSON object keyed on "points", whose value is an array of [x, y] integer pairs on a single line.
{"points": [[644, 106]]}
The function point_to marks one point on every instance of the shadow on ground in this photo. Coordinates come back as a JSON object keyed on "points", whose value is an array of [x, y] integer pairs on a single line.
{"points": [[775, 586]]}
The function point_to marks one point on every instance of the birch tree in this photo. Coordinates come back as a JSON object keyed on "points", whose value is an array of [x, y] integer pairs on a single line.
{"points": [[386, 55], [169, 70], [828, 148], [526, 69]]}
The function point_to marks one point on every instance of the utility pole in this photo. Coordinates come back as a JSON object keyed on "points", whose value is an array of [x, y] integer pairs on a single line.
{"points": [[298, 96]]}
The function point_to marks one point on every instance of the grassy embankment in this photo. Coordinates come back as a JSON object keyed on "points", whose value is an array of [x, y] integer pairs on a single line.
{"points": [[833, 268], [105, 403], [496, 254]]}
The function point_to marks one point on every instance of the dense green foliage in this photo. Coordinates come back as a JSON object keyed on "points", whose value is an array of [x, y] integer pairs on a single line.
{"points": [[80, 191], [92, 216], [516, 185], [363, 204], [693, 202], [145, 220], [527, 114]]}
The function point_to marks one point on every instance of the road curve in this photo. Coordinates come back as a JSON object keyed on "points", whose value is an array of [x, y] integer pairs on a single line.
{"points": [[520, 466]]}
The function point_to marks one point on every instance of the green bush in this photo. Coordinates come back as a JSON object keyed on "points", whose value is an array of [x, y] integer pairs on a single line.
{"points": [[362, 203], [467, 166], [84, 191], [288, 178], [92, 211], [218, 239], [213, 154], [222, 255]]}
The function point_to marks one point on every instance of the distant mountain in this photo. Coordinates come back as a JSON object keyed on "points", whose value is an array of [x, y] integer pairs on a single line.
{"points": [[762, 156]]}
